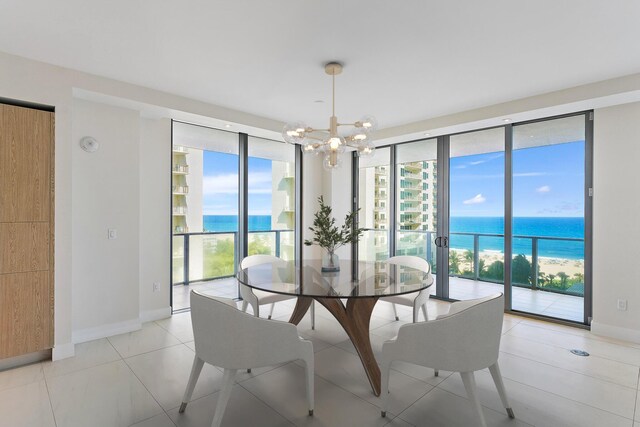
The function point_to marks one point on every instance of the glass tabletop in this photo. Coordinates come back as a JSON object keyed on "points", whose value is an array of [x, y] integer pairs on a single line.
{"points": [[367, 279]]}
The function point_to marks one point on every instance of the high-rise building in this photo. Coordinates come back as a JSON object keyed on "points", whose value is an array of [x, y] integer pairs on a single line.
{"points": [[416, 209]]}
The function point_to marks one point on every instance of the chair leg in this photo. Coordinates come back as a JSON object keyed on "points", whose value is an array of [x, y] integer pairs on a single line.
{"points": [[424, 311], [223, 398], [309, 379], [313, 315], [497, 379], [470, 385], [273, 304], [416, 312], [196, 368], [245, 304], [395, 312], [384, 387]]}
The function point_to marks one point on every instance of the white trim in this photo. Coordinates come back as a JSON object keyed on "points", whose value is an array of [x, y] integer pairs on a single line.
{"points": [[90, 334], [63, 351], [618, 332], [157, 314]]}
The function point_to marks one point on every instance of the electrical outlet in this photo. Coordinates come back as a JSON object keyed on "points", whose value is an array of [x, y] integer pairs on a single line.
{"points": [[112, 233], [156, 286], [622, 305]]}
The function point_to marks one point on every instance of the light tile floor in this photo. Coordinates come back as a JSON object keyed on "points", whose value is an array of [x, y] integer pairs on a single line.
{"points": [[137, 379]]}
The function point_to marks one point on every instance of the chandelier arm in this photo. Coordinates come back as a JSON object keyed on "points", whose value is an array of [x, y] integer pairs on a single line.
{"points": [[314, 137]]}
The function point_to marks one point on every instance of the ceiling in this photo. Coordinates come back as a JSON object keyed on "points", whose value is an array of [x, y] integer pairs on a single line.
{"points": [[405, 61]]}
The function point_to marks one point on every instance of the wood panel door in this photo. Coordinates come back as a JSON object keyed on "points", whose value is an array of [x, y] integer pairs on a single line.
{"points": [[26, 230]]}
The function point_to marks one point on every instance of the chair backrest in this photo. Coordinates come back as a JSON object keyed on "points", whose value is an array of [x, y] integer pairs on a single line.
{"points": [[251, 261], [466, 340], [226, 337], [411, 261]]}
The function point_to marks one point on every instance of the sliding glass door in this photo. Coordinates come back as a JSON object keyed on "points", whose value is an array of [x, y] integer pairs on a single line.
{"points": [[505, 209], [416, 200], [548, 242], [476, 213]]}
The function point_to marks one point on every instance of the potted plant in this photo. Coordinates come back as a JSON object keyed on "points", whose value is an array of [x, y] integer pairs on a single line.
{"points": [[327, 235]]}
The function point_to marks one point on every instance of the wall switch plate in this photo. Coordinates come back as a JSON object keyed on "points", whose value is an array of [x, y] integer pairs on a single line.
{"points": [[156, 286], [112, 233], [622, 304]]}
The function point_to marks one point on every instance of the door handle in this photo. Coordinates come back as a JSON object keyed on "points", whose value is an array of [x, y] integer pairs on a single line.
{"points": [[438, 241], [445, 242]]}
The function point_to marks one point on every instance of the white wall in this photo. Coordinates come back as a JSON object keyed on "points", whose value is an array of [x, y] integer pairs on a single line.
{"points": [[616, 221], [28, 80], [105, 194], [155, 223]]}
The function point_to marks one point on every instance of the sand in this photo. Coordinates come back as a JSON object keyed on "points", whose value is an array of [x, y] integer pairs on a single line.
{"points": [[546, 265]]}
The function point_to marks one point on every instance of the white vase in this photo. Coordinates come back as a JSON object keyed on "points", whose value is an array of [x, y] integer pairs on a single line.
{"points": [[330, 262]]}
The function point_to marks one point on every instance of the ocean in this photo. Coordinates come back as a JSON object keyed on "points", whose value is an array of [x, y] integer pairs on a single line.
{"points": [[522, 226], [230, 222]]}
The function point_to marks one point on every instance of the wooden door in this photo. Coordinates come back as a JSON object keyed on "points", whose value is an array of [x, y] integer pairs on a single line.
{"points": [[26, 230]]}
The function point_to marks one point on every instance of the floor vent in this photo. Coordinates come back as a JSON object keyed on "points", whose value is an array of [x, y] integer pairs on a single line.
{"points": [[579, 352]]}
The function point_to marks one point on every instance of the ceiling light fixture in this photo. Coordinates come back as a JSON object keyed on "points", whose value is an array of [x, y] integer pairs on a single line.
{"points": [[329, 141]]}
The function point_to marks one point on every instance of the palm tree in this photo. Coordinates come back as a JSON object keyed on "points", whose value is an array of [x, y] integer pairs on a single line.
{"points": [[454, 262], [468, 257]]}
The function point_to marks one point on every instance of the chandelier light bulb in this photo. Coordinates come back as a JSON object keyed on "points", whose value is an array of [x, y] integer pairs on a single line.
{"points": [[368, 124], [335, 143], [294, 133], [367, 150]]}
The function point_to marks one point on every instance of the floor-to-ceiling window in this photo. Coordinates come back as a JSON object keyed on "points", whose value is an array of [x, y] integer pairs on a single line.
{"points": [[510, 212], [272, 198], [416, 200], [548, 244], [476, 212], [208, 207], [374, 194]]}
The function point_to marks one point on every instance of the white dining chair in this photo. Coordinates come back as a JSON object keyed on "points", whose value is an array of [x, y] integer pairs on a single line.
{"points": [[255, 297], [417, 300], [464, 340], [230, 339]]}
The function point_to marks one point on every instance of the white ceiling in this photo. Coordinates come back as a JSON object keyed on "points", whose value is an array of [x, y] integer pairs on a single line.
{"points": [[405, 61]]}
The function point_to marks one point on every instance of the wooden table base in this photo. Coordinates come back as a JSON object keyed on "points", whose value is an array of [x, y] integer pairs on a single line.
{"points": [[354, 318]]}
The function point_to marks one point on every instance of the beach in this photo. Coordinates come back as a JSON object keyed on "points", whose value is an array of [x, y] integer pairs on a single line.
{"points": [[547, 265]]}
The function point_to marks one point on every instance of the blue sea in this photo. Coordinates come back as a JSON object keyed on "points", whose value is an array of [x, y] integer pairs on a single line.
{"points": [[522, 226], [230, 222]]}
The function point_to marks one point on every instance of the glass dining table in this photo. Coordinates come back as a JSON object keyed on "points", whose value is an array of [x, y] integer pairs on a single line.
{"points": [[349, 294]]}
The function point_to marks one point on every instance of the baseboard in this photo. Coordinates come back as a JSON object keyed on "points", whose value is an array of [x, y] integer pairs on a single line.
{"points": [[90, 334], [62, 351], [626, 334], [157, 314], [25, 359]]}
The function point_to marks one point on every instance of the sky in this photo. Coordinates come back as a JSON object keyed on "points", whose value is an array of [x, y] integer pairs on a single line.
{"points": [[548, 181], [220, 184]]}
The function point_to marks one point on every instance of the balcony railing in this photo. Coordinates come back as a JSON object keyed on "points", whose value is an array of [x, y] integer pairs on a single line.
{"points": [[526, 270], [212, 255]]}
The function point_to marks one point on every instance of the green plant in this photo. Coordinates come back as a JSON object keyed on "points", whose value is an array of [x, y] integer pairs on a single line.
{"points": [[326, 233], [521, 270], [454, 262]]}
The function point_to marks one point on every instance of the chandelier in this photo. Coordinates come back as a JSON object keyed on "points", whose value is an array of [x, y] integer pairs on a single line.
{"points": [[329, 142]]}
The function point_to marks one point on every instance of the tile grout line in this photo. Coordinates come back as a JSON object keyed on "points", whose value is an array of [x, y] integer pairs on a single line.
{"points": [[635, 409], [571, 370], [565, 348], [46, 384], [150, 394], [544, 391]]}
